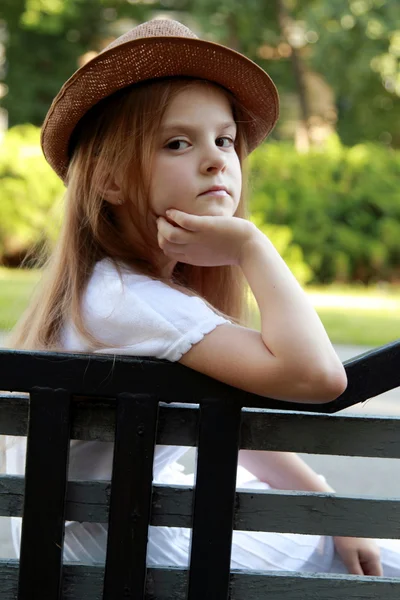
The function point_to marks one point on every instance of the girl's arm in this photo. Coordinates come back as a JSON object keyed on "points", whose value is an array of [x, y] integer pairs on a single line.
{"points": [[292, 357], [282, 471], [290, 328]]}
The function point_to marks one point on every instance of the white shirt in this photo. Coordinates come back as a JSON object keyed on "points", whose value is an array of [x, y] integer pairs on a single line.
{"points": [[136, 315]]}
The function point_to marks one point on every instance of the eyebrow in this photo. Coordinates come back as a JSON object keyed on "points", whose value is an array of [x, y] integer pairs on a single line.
{"points": [[189, 127]]}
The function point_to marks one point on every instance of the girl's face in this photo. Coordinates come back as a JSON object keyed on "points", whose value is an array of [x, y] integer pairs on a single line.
{"points": [[196, 168]]}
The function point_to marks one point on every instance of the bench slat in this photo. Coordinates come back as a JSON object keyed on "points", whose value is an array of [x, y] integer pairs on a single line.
{"points": [[130, 501], [42, 535], [296, 512], [313, 433], [214, 500], [83, 581], [369, 376], [266, 430]]}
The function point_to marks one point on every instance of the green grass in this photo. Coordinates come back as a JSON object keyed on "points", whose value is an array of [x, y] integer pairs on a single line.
{"points": [[352, 326], [350, 314], [355, 314], [359, 315], [16, 287], [364, 328]]}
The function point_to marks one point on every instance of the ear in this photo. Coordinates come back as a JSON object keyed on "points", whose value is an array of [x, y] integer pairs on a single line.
{"points": [[111, 192]]}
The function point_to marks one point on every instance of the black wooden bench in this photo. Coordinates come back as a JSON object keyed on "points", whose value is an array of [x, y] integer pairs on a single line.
{"points": [[126, 399]]}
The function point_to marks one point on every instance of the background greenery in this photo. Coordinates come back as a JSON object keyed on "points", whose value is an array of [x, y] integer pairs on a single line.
{"points": [[353, 45], [325, 188], [351, 315], [16, 289], [341, 205], [334, 215]]}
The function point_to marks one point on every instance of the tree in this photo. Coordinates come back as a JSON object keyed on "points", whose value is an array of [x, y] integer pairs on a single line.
{"points": [[358, 49], [354, 45], [45, 40]]}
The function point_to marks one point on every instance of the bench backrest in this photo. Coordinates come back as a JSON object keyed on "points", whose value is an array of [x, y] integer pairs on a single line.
{"points": [[127, 400]]}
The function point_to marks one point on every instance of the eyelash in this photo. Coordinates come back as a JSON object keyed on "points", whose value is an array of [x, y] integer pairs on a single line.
{"points": [[223, 137]]}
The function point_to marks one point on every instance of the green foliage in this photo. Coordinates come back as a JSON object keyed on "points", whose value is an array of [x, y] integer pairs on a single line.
{"points": [[334, 215], [342, 206], [16, 289], [282, 238], [358, 53], [352, 44], [44, 43], [29, 191]]}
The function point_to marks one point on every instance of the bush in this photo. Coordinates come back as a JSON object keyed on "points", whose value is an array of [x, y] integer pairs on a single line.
{"points": [[29, 191], [334, 215], [342, 206], [282, 238]]}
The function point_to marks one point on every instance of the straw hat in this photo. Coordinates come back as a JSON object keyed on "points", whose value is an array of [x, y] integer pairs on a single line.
{"points": [[158, 48]]}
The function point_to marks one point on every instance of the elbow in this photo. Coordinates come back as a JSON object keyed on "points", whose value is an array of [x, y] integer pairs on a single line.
{"points": [[328, 383]]}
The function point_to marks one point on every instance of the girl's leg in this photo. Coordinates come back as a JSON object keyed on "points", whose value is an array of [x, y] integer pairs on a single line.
{"points": [[85, 542]]}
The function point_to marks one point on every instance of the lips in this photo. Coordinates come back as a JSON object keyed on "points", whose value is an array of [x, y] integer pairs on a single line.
{"points": [[215, 188]]}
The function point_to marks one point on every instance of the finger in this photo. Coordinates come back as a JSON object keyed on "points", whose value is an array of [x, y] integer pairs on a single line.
{"points": [[171, 233], [170, 248], [353, 565], [185, 220], [372, 566]]}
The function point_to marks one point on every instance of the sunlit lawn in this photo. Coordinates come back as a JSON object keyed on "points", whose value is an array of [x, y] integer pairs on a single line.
{"points": [[16, 287], [351, 314], [355, 314]]}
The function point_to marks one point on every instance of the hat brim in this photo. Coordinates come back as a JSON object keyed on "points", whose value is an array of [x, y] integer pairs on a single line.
{"points": [[151, 58]]}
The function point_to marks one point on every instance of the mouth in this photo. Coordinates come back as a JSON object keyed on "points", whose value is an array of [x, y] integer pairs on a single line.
{"points": [[216, 190]]}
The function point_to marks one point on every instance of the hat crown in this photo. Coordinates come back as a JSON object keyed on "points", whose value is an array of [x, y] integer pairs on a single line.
{"points": [[154, 28], [158, 49]]}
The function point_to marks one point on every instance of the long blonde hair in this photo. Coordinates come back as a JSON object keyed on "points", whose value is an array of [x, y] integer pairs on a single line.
{"points": [[118, 134]]}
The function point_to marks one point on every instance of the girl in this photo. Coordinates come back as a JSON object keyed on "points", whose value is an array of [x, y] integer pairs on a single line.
{"points": [[153, 257]]}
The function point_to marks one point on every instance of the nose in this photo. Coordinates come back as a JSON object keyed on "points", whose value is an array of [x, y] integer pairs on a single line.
{"points": [[213, 161]]}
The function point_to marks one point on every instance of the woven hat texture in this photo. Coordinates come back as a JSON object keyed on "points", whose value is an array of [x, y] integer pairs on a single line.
{"points": [[156, 49]]}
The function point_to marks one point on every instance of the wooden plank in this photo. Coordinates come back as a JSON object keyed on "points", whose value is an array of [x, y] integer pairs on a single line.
{"points": [[278, 586], [214, 500], [321, 434], [261, 429], [130, 500], [295, 512], [86, 500], [93, 374], [312, 513], [110, 375], [370, 375], [85, 581], [43, 520]]}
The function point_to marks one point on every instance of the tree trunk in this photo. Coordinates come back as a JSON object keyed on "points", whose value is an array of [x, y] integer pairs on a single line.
{"points": [[285, 22]]}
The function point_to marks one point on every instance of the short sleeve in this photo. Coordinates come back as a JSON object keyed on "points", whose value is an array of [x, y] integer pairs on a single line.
{"points": [[133, 314]]}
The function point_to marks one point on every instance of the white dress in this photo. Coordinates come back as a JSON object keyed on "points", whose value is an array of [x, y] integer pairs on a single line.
{"points": [[135, 315]]}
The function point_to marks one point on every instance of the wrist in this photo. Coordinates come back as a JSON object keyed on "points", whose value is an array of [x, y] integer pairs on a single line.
{"points": [[252, 238]]}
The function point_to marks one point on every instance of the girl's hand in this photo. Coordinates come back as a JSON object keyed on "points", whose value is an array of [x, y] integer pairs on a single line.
{"points": [[203, 241], [360, 555]]}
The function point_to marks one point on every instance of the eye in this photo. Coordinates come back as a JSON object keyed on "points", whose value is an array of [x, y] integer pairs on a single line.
{"points": [[177, 145], [224, 142]]}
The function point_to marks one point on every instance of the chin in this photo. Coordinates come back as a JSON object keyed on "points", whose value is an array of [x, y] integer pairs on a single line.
{"points": [[216, 212]]}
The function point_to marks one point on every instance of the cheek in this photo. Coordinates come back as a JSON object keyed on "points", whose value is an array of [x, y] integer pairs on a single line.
{"points": [[171, 182]]}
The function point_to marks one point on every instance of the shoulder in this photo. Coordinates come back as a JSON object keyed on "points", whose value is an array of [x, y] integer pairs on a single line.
{"points": [[112, 285], [147, 316]]}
